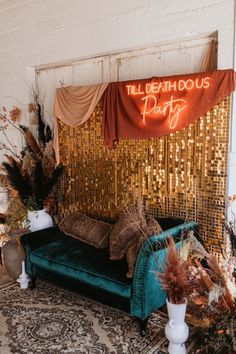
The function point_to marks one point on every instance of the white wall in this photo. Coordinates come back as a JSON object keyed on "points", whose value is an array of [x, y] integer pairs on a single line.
{"points": [[38, 32], [34, 32]]}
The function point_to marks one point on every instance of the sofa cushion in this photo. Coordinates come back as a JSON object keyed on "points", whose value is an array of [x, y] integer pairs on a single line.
{"points": [[80, 261], [127, 228], [86, 229]]}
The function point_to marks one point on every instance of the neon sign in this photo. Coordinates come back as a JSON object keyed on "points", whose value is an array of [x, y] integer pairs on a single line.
{"points": [[150, 94]]}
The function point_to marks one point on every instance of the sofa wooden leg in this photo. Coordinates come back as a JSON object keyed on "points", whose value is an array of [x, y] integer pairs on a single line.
{"points": [[32, 283], [143, 327]]}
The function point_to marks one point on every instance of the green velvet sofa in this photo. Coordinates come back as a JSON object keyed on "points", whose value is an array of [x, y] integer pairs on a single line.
{"points": [[54, 256]]}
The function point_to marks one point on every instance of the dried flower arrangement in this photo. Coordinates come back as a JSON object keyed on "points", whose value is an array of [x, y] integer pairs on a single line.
{"points": [[32, 172], [175, 277], [208, 284]]}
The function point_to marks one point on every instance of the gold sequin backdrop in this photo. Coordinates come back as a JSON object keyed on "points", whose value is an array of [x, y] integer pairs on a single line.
{"points": [[181, 175]]}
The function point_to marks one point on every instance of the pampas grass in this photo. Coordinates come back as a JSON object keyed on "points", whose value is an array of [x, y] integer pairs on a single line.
{"points": [[18, 180], [175, 275], [218, 277]]}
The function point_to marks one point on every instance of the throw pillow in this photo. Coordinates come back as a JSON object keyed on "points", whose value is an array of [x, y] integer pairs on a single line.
{"points": [[152, 228], [86, 229], [130, 222]]}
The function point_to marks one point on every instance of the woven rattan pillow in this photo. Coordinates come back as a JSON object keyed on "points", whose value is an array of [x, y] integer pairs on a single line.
{"points": [[86, 229], [130, 222]]}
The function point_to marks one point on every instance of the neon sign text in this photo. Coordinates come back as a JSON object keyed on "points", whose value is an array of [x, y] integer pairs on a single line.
{"points": [[171, 109], [151, 106], [155, 87]]}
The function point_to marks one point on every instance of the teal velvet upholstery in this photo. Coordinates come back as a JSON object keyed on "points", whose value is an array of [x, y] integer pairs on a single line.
{"points": [[51, 251], [80, 261]]}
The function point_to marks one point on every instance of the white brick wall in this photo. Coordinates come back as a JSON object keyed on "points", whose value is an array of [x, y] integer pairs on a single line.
{"points": [[35, 32]]}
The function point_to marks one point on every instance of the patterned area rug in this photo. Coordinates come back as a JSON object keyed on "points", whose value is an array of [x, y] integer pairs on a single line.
{"points": [[50, 320]]}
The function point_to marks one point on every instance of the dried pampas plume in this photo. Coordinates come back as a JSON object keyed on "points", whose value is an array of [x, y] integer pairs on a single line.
{"points": [[175, 276]]}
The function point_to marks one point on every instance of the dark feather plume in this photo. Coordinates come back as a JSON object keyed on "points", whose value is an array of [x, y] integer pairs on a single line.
{"points": [[43, 184], [50, 182], [41, 126], [10, 159], [18, 181], [48, 134], [38, 185]]}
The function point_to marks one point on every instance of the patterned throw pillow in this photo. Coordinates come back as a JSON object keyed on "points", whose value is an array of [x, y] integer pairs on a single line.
{"points": [[86, 229], [152, 228], [126, 230]]}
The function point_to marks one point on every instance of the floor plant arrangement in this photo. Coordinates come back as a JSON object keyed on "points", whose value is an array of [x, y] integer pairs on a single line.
{"points": [[177, 283], [210, 288], [31, 173]]}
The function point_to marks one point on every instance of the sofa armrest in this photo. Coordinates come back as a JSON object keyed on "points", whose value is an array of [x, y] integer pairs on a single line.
{"points": [[148, 294], [159, 241], [36, 239]]}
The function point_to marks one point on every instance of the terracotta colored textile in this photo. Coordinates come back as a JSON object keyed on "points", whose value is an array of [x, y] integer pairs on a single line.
{"points": [[74, 105], [150, 108]]}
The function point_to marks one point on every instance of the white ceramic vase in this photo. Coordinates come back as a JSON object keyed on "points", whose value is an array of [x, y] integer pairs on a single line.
{"points": [[39, 220], [176, 329]]}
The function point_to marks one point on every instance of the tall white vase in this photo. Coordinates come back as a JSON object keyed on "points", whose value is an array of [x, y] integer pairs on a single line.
{"points": [[176, 329], [39, 220]]}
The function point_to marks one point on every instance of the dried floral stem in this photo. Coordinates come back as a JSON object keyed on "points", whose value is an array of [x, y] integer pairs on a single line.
{"points": [[9, 142], [11, 123], [7, 148]]}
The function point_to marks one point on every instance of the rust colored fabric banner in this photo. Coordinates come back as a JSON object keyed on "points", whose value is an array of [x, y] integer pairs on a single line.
{"points": [[150, 108]]}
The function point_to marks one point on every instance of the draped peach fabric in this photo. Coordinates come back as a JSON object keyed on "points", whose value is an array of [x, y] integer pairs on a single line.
{"points": [[74, 105], [209, 63]]}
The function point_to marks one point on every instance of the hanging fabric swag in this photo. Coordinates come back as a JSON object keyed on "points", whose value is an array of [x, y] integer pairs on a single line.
{"points": [[150, 108], [74, 105]]}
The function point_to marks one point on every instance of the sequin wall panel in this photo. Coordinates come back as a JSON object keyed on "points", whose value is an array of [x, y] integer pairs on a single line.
{"points": [[181, 175]]}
